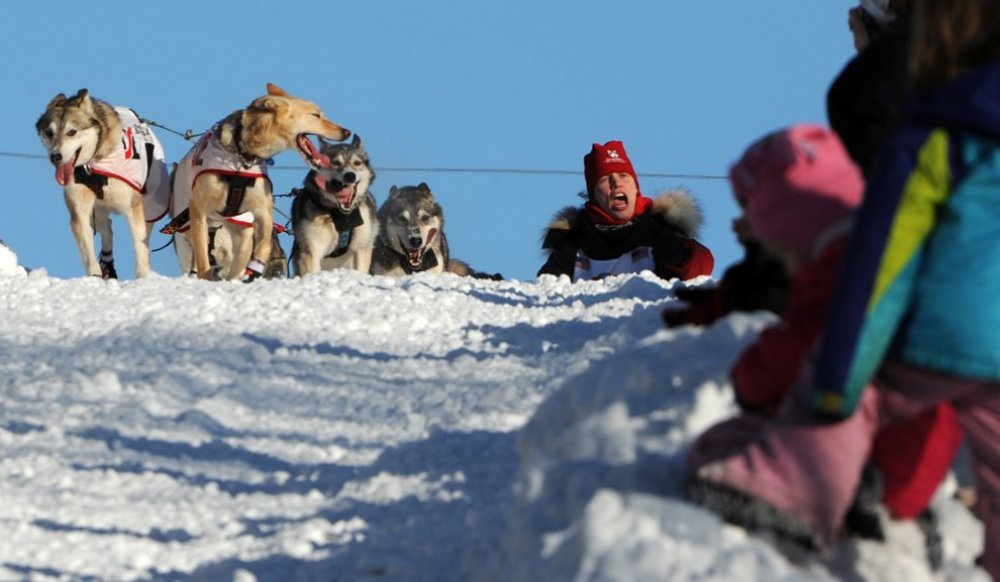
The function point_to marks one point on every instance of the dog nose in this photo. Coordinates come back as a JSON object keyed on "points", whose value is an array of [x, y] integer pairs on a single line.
{"points": [[350, 177], [416, 241], [55, 158]]}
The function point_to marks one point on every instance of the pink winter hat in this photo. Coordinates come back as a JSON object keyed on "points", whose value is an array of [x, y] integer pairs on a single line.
{"points": [[796, 183]]}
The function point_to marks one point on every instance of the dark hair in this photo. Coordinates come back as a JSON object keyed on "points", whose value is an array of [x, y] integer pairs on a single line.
{"points": [[950, 37], [901, 9]]}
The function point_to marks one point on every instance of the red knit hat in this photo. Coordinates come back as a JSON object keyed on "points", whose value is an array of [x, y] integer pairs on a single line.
{"points": [[797, 183], [606, 159]]}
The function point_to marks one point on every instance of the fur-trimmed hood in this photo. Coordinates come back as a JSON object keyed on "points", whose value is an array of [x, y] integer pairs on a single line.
{"points": [[677, 206]]}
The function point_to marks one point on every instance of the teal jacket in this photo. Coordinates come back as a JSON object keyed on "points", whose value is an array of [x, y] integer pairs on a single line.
{"points": [[921, 278]]}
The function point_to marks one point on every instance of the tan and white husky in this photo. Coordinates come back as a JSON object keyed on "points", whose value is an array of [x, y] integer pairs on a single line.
{"points": [[224, 178], [107, 160]]}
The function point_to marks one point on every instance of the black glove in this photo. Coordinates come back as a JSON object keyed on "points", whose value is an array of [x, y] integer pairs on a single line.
{"points": [[670, 251]]}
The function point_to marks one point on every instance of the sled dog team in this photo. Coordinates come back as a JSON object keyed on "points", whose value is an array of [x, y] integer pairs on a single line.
{"points": [[220, 200]]}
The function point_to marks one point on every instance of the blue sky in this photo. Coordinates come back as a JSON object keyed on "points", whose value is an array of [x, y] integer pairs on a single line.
{"points": [[460, 84]]}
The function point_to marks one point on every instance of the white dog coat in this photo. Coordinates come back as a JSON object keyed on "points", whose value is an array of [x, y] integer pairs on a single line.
{"points": [[208, 155], [129, 164]]}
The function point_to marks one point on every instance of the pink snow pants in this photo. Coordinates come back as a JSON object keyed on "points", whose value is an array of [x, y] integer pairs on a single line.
{"points": [[809, 468]]}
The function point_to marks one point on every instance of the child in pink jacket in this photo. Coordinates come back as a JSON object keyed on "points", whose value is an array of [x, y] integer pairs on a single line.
{"points": [[800, 189], [914, 317]]}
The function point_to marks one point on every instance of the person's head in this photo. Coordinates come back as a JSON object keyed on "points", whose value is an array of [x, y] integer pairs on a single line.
{"points": [[952, 36], [872, 18], [611, 181], [794, 185]]}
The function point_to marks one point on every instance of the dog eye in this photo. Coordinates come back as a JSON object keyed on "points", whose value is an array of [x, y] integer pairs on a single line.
{"points": [[401, 218], [71, 132], [49, 133], [425, 218]]}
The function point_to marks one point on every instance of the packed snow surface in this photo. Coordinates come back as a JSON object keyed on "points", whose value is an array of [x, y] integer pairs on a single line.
{"points": [[349, 427]]}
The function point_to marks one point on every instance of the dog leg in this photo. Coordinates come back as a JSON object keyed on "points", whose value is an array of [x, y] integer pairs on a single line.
{"points": [[81, 210], [198, 239], [106, 260], [140, 237], [263, 225], [308, 261], [222, 249], [362, 261], [184, 255], [242, 246]]}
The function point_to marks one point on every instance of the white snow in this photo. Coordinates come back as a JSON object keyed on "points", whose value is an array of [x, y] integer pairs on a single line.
{"points": [[348, 427]]}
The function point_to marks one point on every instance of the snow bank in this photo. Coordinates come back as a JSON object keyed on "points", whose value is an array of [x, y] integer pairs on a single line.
{"points": [[350, 427], [8, 262], [601, 492]]}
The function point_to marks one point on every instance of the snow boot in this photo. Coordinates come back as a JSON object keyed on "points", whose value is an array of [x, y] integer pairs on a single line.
{"points": [[928, 524], [752, 514], [107, 263], [253, 271], [863, 519]]}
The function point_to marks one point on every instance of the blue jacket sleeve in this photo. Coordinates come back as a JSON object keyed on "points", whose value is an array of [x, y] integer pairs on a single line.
{"points": [[907, 184]]}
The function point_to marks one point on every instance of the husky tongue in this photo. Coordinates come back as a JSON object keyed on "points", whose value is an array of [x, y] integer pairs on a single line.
{"points": [[309, 149], [64, 173], [344, 195]]}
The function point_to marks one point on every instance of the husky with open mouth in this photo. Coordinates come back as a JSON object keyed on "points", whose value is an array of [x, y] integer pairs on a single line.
{"points": [[411, 235], [223, 180], [106, 160], [334, 216]]}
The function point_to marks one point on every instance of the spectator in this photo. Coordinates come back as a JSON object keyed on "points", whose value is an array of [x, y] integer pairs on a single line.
{"points": [[913, 321], [619, 230], [864, 101]]}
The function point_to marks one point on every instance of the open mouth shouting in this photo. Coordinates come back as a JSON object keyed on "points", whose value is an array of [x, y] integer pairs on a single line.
{"points": [[313, 157], [64, 172], [619, 202]]}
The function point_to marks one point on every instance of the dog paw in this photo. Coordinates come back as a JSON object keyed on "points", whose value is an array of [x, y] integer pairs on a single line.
{"points": [[108, 270], [253, 271]]}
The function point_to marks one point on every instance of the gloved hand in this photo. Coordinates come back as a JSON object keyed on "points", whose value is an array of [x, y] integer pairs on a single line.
{"points": [[669, 251], [701, 306]]}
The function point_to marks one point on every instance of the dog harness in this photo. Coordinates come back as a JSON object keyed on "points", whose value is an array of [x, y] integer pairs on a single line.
{"points": [[208, 156], [138, 160], [344, 223]]}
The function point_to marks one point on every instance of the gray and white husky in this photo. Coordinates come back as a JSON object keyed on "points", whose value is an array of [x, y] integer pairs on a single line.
{"points": [[106, 160], [334, 217], [411, 235]]}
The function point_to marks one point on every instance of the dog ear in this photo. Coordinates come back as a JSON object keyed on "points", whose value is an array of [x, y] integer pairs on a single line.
{"points": [[269, 103], [57, 100], [81, 95], [423, 187], [277, 91], [356, 141], [393, 191]]}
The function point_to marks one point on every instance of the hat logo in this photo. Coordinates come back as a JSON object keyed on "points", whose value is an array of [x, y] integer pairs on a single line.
{"points": [[612, 154]]}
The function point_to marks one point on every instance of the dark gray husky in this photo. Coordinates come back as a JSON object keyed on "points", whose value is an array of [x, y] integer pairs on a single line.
{"points": [[411, 236]]}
